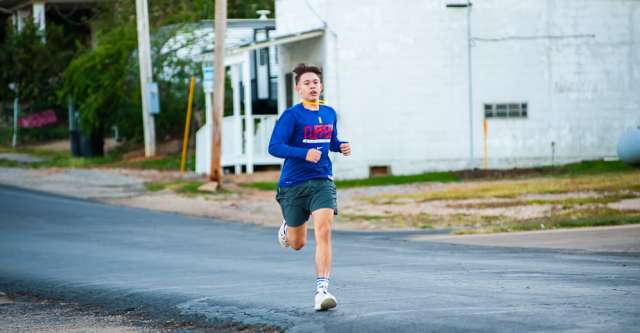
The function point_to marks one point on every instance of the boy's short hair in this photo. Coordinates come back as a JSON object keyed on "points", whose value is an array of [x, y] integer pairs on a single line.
{"points": [[302, 68]]}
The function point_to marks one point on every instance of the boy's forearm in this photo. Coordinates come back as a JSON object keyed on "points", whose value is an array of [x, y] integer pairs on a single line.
{"points": [[335, 145], [282, 150]]}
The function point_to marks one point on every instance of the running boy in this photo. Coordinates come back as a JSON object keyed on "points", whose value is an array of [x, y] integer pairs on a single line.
{"points": [[303, 136]]}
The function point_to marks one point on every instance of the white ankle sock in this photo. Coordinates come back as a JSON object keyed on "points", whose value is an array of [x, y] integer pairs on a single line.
{"points": [[322, 283]]}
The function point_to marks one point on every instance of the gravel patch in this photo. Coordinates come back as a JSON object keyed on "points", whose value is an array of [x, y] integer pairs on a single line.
{"points": [[79, 183], [627, 204], [21, 158], [561, 196], [40, 316]]}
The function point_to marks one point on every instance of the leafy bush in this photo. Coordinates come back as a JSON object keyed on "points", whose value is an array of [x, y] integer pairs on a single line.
{"points": [[101, 83], [33, 63]]}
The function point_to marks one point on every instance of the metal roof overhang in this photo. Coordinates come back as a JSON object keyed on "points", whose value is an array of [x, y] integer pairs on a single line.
{"points": [[9, 6], [284, 39]]}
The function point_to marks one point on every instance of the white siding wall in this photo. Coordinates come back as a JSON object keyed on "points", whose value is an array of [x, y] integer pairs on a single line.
{"points": [[309, 51], [294, 16], [399, 78], [579, 83]]}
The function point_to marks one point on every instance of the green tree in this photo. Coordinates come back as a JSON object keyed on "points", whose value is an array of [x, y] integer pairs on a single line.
{"points": [[100, 80], [205, 9], [104, 80], [33, 65]]}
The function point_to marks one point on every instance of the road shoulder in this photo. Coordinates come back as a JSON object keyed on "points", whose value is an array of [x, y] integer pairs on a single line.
{"points": [[623, 239]]}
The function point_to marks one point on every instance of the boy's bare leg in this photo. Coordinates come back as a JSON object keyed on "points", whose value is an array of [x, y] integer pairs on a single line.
{"points": [[322, 220], [297, 236]]}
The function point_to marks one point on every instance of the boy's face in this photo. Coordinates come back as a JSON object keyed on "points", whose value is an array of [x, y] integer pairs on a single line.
{"points": [[309, 87]]}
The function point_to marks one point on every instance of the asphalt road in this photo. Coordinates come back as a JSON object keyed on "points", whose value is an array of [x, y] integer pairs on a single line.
{"points": [[176, 267]]}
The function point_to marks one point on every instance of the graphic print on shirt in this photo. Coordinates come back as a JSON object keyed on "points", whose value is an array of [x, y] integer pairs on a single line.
{"points": [[318, 134]]}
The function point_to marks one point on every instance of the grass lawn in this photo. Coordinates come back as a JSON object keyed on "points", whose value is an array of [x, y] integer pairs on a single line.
{"points": [[563, 171], [589, 218], [444, 177], [586, 182], [113, 159]]}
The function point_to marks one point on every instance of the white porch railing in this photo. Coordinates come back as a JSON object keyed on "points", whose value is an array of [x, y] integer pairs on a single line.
{"points": [[234, 143]]}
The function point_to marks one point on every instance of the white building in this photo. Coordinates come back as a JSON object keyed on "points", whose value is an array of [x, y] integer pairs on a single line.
{"points": [[253, 75], [251, 61], [550, 79], [423, 85]]}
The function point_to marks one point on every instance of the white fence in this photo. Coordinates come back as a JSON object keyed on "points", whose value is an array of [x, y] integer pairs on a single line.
{"points": [[234, 147]]}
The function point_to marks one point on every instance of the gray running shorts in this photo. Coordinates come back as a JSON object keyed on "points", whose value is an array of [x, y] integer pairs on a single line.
{"points": [[299, 201]]}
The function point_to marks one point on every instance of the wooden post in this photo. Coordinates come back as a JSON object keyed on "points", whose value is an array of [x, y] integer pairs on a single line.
{"points": [[218, 95], [144, 56]]}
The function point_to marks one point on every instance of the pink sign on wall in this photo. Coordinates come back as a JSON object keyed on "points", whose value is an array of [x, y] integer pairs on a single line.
{"points": [[39, 119]]}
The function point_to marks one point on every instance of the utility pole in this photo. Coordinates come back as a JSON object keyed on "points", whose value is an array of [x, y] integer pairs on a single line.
{"points": [[218, 94], [144, 56]]}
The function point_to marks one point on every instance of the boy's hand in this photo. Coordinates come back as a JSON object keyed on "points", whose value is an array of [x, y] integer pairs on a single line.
{"points": [[345, 149], [313, 155]]}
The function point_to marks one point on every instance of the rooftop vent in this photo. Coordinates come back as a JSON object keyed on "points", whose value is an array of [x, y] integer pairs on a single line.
{"points": [[264, 14]]}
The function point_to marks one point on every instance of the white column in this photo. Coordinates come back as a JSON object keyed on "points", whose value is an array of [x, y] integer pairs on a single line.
{"points": [[248, 115], [39, 17], [237, 118], [282, 80], [20, 17], [146, 76], [208, 108], [207, 88]]}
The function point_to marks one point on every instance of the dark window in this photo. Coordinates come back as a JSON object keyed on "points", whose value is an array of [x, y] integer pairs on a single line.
{"points": [[514, 110], [501, 110], [263, 56], [506, 110], [289, 88], [488, 110]]}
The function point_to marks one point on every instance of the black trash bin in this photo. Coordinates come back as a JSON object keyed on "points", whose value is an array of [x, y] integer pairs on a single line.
{"points": [[74, 140], [92, 145]]}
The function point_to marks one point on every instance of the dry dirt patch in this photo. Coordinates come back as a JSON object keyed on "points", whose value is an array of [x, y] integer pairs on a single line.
{"points": [[499, 205], [464, 207]]}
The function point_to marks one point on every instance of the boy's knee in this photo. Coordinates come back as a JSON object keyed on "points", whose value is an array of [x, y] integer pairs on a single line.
{"points": [[323, 229]]}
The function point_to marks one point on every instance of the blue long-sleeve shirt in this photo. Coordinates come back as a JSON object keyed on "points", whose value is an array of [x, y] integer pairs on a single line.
{"points": [[298, 130]]}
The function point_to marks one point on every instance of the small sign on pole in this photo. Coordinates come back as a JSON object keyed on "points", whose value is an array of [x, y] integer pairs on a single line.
{"points": [[153, 98], [207, 79]]}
